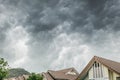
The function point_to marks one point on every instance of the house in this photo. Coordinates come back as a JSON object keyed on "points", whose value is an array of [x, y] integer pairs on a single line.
{"points": [[100, 69], [23, 77], [65, 74]]}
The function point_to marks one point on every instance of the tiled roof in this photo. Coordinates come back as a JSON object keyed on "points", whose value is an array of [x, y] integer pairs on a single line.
{"points": [[47, 76], [65, 74]]}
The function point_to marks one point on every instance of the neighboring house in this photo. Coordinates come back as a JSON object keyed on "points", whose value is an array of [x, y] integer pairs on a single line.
{"points": [[100, 69], [24, 77], [65, 74]]}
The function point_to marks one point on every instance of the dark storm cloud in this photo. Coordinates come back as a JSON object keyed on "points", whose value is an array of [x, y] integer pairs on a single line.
{"points": [[37, 11], [103, 12], [99, 13], [96, 6], [44, 15]]}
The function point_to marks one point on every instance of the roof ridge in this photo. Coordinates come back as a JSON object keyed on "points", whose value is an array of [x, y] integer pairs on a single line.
{"points": [[99, 58], [107, 59], [69, 69]]}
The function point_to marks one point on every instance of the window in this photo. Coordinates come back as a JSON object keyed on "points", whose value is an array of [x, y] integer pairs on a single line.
{"points": [[97, 70]]}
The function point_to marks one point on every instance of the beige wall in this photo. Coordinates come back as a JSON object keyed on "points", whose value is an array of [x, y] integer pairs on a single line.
{"points": [[90, 73], [105, 72], [115, 75]]}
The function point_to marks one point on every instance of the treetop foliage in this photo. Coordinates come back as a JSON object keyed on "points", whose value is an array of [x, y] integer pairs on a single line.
{"points": [[34, 76], [3, 68]]}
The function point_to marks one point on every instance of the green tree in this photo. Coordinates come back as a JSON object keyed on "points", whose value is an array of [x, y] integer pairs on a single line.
{"points": [[3, 68], [34, 76]]}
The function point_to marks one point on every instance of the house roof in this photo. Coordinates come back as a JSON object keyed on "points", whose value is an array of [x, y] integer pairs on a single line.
{"points": [[47, 76], [65, 74], [111, 65]]}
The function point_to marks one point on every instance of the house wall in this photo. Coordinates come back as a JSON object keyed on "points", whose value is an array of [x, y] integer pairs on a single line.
{"points": [[115, 75], [105, 72], [90, 73]]}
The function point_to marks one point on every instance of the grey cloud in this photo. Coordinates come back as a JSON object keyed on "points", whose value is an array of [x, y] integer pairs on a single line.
{"points": [[7, 21], [5, 26], [73, 28]]}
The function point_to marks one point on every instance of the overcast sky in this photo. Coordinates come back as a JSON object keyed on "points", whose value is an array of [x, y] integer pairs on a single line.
{"points": [[54, 34]]}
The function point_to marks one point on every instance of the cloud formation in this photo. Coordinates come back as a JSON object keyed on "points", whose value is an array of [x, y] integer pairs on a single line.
{"points": [[53, 34]]}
